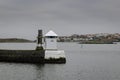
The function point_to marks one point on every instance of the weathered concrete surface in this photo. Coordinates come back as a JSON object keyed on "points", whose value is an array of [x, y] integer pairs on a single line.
{"points": [[55, 56], [23, 56], [32, 56]]}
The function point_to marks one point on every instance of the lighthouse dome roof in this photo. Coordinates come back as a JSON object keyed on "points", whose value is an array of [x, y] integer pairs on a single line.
{"points": [[51, 33]]}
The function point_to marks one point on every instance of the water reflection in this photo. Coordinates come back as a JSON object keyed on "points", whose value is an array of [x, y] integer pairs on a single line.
{"points": [[39, 72], [49, 72]]}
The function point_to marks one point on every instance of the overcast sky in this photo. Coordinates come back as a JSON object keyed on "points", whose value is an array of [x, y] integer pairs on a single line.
{"points": [[22, 18]]}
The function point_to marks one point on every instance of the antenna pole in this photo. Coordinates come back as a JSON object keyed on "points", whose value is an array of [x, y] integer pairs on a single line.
{"points": [[39, 40]]}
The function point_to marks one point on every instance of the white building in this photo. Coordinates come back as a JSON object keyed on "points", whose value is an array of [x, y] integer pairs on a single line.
{"points": [[51, 41], [51, 50]]}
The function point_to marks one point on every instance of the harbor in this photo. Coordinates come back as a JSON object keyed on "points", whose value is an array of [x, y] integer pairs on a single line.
{"points": [[49, 53]]}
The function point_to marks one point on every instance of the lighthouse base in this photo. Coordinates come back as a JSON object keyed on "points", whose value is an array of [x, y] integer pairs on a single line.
{"points": [[55, 56]]}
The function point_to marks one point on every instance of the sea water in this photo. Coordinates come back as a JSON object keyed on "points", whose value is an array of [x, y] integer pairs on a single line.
{"points": [[83, 62]]}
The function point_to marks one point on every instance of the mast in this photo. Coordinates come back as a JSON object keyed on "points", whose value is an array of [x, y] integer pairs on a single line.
{"points": [[39, 40]]}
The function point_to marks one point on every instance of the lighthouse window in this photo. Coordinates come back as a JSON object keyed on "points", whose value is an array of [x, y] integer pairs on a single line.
{"points": [[51, 37]]}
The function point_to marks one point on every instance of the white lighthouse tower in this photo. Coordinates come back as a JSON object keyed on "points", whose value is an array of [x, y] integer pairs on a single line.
{"points": [[51, 51], [51, 40]]}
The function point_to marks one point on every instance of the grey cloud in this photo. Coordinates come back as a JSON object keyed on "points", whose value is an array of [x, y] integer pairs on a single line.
{"points": [[78, 16]]}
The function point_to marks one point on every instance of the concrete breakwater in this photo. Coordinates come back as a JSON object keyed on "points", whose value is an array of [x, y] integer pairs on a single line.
{"points": [[23, 56], [27, 56], [40, 55]]}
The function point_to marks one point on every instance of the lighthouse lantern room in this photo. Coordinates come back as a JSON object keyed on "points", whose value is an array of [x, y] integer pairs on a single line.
{"points": [[51, 40]]}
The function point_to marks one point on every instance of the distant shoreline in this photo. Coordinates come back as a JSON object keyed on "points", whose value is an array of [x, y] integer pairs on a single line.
{"points": [[19, 40], [14, 40]]}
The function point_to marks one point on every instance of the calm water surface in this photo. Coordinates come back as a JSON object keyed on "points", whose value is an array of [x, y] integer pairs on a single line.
{"points": [[84, 62]]}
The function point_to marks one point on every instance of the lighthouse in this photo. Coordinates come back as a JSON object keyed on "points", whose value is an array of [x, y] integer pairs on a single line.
{"points": [[51, 40], [52, 54]]}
